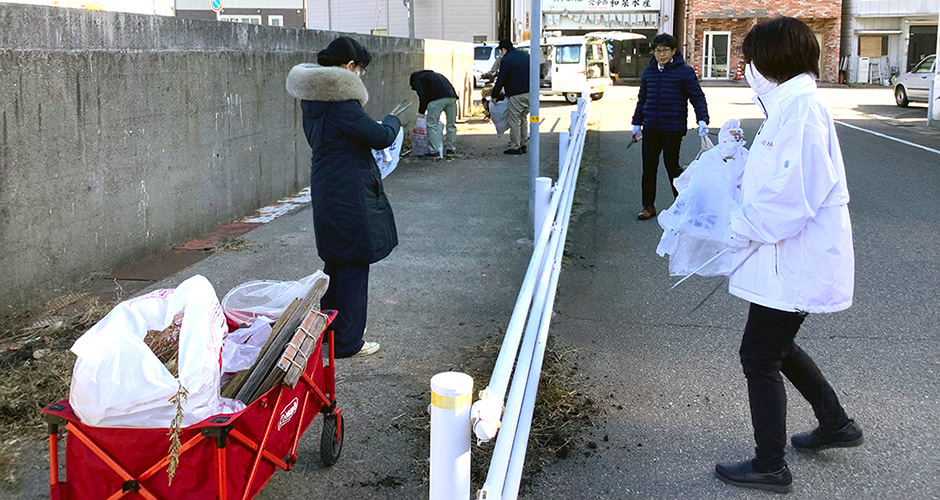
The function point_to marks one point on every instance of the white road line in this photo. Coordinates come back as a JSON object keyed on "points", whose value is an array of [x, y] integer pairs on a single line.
{"points": [[902, 141]]}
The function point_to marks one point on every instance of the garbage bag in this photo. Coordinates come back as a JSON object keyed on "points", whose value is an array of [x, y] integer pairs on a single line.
{"points": [[419, 136], [709, 189], [499, 113], [242, 346], [118, 381], [387, 159], [265, 299]]}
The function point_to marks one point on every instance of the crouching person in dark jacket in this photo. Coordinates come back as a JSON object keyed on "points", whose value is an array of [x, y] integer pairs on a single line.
{"points": [[662, 110], [352, 219], [436, 95]]}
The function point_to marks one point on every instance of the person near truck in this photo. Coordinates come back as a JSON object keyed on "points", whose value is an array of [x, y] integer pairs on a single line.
{"points": [[513, 82]]}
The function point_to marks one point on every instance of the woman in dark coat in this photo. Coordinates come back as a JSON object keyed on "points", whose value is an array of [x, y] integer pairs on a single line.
{"points": [[352, 218]]}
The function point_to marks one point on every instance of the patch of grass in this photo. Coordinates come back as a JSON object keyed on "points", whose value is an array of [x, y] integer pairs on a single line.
{"points": [[562, 415], [476, 111], [233, 244], [35, 370]]}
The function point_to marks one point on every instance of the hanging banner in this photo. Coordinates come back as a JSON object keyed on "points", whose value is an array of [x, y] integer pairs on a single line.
{"points": [[600, 5]]}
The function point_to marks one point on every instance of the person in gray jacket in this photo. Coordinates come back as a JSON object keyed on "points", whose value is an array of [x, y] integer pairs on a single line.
{"points": [[352, 218]]}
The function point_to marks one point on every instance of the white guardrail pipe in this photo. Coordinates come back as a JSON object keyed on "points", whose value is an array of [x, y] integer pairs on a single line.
{"points": [[513, 435], [520, 443], [486, 411]]}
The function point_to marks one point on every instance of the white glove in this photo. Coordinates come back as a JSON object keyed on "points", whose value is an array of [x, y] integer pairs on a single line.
{"points": [[637, 134], [702, 129], [734, 240]]}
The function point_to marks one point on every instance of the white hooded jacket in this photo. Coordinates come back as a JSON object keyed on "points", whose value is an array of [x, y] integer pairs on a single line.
{"points": [[794, 208]]}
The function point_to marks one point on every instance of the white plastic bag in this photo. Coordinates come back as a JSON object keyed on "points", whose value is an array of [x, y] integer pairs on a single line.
{"points": [[695, 224], [242, 346], [119, 382], [265, 299], [387, 159], [499, 113], [419, 136]]}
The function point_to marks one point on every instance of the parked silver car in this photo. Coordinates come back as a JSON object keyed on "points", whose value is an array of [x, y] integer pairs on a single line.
{"points": [[914, 86]]}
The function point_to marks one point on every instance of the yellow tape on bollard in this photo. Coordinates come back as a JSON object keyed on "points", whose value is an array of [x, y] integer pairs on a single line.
{"points": [[451, 402], [533, 119]]}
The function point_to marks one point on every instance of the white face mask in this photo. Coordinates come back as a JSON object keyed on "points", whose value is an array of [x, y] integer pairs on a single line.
{"points": [[757, 81]]}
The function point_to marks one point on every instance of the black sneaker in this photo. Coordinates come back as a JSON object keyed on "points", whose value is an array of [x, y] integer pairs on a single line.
{"points": [[743, 474], [524, 149], [514, 152], [849, 436], [450, 152]]}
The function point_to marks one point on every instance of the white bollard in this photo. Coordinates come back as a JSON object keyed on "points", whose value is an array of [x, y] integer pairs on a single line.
{"points": [[451, 395], [543, 197]]}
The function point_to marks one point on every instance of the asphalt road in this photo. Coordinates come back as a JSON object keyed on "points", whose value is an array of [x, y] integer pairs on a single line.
{"points": [[670, 382]]}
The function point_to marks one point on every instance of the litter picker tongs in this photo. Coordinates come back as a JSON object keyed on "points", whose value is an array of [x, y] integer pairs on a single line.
{"points": [[402, 106]]}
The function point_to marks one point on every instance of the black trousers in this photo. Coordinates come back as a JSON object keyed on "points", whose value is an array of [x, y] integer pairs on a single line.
{"points": [[656, 142], [348, 294], [768, 349]]}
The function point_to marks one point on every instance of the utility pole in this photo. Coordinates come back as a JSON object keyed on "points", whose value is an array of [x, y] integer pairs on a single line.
{"points": [[410, 4], [535, 58]]}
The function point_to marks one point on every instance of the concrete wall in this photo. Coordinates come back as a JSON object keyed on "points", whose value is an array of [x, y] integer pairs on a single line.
{"points": [[124, 135]]}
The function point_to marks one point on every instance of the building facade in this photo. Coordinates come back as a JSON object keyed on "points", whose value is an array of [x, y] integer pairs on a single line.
{"points": [[880, 38], [715, 31], [149, 7], [454, 20], [288, 13], [578, 17]]}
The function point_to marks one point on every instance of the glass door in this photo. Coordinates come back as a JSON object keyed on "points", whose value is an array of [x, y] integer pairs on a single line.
{"points": [[717, 54]]}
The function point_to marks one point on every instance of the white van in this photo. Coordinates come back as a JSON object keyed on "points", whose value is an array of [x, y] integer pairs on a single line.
{"points": [[571, 64], [484, 57]]}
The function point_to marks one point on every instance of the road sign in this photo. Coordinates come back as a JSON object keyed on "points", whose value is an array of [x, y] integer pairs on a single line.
{"points": [[216, 5]]}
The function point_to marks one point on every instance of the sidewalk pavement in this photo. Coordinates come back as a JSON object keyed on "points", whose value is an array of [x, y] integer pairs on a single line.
{"points": [[450, 285]]}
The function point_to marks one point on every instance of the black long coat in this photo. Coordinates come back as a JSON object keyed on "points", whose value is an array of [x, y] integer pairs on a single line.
{"points": [[353, 220]]}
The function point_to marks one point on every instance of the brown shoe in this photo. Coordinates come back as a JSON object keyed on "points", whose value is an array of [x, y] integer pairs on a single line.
{"points": [[647, 213]]}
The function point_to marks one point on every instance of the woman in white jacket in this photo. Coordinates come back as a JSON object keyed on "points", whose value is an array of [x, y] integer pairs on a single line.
{"points": [[793, 250]]}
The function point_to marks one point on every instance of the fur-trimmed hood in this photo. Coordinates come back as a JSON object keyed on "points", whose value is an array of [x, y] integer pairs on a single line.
{"points": [[312, 82]]}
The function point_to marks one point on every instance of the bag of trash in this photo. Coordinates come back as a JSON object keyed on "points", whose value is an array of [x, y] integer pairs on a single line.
{"points": [[119, 380], [709, 189], [499, 113], [387, 159], [242, 347], [419, 136], [266, 299]]}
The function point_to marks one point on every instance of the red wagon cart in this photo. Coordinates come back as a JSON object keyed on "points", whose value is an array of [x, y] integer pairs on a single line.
{"points": [[229, 456]]}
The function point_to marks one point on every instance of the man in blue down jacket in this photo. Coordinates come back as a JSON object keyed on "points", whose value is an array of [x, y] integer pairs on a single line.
{"points": [[668, 84], [352, 218]]}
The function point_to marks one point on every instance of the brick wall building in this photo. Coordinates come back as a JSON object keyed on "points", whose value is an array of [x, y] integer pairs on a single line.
{"points": [[715, 31]]}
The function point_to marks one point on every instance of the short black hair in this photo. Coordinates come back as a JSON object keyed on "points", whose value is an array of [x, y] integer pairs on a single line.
{"points": [[782, 48], [665, 40], [505, 43], [342, 50]]}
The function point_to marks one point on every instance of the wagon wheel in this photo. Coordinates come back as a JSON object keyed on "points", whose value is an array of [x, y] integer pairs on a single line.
{"points": [[330, 446]]}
